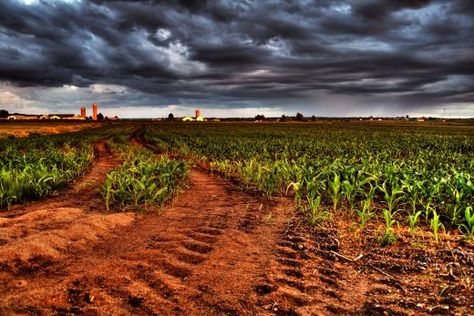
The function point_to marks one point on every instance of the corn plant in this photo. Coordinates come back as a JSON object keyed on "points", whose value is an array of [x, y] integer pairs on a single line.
{"points": [[468, 227], [334, 186], [391, 196], [365, 212], [435, 225], [296, 187], [388, 237], [142, 181], [316, 214], [349, 191], [413, 220]]}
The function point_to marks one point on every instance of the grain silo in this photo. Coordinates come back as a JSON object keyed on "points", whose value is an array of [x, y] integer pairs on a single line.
{"points": [[94, 112], [83, 112], [199, 115]]}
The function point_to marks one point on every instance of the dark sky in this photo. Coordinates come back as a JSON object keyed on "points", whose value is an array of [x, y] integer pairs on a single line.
{"points": [[233, 58]]}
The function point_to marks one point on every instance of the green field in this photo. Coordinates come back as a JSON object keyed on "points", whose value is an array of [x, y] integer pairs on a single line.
{"points": [[411, 176], [396, 174]]}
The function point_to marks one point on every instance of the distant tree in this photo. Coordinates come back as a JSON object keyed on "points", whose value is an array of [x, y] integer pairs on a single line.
{"points": [[283, 118], [313, 118], [299, 116], [100, 117], [259, 117], [171, 116], [4, 114]]}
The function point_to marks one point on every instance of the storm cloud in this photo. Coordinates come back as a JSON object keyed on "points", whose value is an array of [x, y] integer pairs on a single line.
{"points": [[314, 56]]}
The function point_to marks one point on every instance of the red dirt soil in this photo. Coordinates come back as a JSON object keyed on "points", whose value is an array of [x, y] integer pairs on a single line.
{"points": [[47, 227], [215, 251]]}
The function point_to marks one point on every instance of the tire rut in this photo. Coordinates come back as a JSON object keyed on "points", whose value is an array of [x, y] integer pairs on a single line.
{"points": [[303, 282], [194, 258]]}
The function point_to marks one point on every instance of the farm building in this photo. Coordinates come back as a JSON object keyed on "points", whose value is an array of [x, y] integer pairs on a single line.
{"points": [[197, 118], [17, 116], [61, 117], [191, 119]]}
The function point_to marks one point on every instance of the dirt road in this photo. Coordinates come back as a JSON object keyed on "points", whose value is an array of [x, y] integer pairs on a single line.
{"points": [[208, 253], [214, 251]]}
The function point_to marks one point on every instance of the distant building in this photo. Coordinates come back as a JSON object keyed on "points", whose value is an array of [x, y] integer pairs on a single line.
{"points": [[17, 116], [83, 112], [199, 116], [61, 117], [94, 112], [421, 119]]}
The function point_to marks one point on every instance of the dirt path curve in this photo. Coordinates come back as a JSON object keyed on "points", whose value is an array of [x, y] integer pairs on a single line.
{"points": [[35, 234], [210, 253], [215, 251], [83, 191]]}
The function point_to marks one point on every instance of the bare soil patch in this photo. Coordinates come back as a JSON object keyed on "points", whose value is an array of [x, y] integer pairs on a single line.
{"points": [[329, 271], [41, 230], [205, 254]]}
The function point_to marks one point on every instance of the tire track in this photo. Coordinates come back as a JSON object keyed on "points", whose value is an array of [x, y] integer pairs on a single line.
{"points": [[303, 281], [194, 258]]}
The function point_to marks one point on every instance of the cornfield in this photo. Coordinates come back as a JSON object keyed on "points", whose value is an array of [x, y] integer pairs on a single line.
{"points": [[37, 166], [142, 180], [415, 176]]}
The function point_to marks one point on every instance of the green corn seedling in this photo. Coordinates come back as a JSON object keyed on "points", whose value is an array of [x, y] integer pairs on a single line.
{"points": [[435, 225], [365, 213], [413, 220], [335, 190], [468, 227], [388, 236]]}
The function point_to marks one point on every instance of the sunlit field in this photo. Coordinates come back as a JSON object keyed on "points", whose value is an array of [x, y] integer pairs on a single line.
{"points": [[150, 209], [25, 128]]}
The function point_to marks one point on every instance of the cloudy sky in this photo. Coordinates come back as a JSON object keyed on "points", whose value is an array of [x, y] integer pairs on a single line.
{"points": [[238, 58]]}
